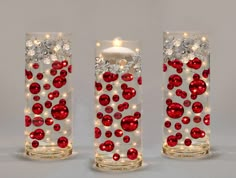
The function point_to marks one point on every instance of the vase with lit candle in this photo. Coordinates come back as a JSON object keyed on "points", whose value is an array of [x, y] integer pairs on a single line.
{"points": [[118, 101], [48, 115], [186, 89]]}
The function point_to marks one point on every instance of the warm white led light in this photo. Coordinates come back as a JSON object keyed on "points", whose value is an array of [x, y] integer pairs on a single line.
{"points": [[170, 93], [117, 42], [98, 44], [203, 38], [134, 106]]}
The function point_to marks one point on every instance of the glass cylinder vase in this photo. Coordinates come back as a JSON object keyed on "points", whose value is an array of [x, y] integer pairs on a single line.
{"points": [[118, 99], [186, 95], [48, 110]]}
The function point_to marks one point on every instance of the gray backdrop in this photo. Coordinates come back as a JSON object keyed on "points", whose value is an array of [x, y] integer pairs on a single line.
{"points": [[143, 20]]}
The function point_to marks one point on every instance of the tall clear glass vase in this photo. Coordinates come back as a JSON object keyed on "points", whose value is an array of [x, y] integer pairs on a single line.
{"points": [[118, 101], [186, 90], [48, 110]]}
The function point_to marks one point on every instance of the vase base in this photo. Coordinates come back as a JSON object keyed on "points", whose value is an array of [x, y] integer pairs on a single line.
{"points": [[109, 164], [48, 152], [181, 152]]}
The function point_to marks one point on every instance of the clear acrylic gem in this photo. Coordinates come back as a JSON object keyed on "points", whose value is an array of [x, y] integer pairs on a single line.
{"points": [[169, 52], [31, 52], [29, 43], [66, 47], [46, 61]]}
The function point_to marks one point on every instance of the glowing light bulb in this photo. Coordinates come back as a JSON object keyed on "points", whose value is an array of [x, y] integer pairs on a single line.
{"points": [[48, 132], [43, 93], [47, 36], [170, 93], [45, 113], [117, 42], [68, 120], [134, 106], [203, 38], [64, 95], [115, 125], [98, 44], [115, 91], [117, 143], [169, 130], [186, 130], [185, 34], [64, 132], [134, 144], [137, 50]]}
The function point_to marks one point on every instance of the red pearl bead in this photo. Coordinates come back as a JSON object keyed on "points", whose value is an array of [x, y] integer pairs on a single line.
{"points": [[56, 93], [35, 144], [118, 132], [39, 134], [126, 139], [35, 65], [59, 112], [120, 107], [117, 115], [34, 88], [197, 107], [140, 80], [57, 65], [185, 120], [46, 86], [129, 93], [64, 63], [97, 132], [38, 121], [172, 141], [167, 124], [98, 86], [116, 157], [28, 74], [62, 142], [48, 104], [197, 87], [36, 98], [195, 132], [53, 72], [99, 115], [62, 102], [164, 67], [129, 123], [175, 110], [107, 77], [126, 105], [132, 154], [39, 76], [104, 99], [109, 87], [108, 134], [27, 121], [115, 98], [107, 120], [70, 68], [178, 135], [175, 80], [102, 147], [178, 126], [176, 63], [187, 142], [127, 77], [109, 109], [206, 119], [59, 81], [137, 115], [109, 145], [124, 86], [49, 121], [168, 101], [37, 108], [197, 119], [63, 73], [57, 127], [187, 103]]}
